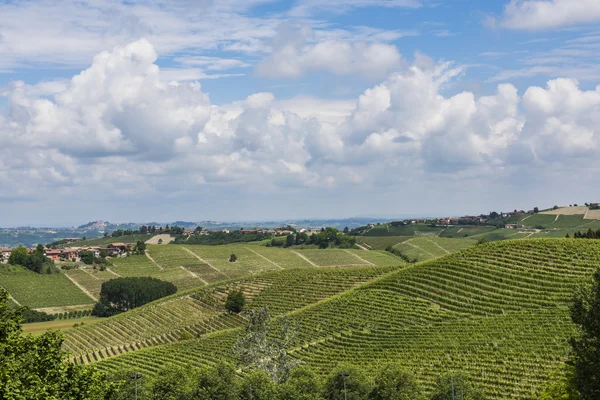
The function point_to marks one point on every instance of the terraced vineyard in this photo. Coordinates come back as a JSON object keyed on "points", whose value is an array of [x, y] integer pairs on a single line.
{"points": [[496, 311], [202, 311]]}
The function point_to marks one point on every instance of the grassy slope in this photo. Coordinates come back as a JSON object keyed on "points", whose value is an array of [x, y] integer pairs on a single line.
{"points": [[496, 311]]}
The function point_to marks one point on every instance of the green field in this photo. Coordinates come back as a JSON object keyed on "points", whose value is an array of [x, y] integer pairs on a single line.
{"points": [[426, 248], [406, 230], [37, 291], [108, 240], [496, 311]]}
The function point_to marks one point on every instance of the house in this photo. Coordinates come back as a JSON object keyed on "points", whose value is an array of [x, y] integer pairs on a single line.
{"points": [[54, 255], [4, 255], [119, 246], [513, 226]]}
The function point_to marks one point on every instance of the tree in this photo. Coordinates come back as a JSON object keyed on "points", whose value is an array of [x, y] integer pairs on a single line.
{"points": [[302, 384], [140, 248], [346, 230], [87, 257], [232, 258], [394, 383], [235, 301], [257, 386], [585, 346], [36, 368], [18, 256], [536, 210], [216, 383], [172, 383], [289, 240], [560, 386], [264, 345], [358, 385], [455, 386]]}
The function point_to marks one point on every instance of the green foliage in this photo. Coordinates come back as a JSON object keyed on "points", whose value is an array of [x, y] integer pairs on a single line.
{"points": [[455, 386], [585, 313], [357, 383], [235, 301], [303, 384], [395, 383], [219, 238], [35, 367], [140, 248], [123, 294], [36, 316], [18, 256], [87, 257], [172, 383], [265, 343], [257, 385], [217, 382], [560, 386], [232, 258]]}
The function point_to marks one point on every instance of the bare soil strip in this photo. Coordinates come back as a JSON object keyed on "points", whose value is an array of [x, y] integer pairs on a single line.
{"points": [[10, 296], [306, 259], [529, 216], [359, 257], [205, 262], [84, 290], [361, 247], [193, 274], [166, 238], [113, 272], [265, 258], [152, 259]]}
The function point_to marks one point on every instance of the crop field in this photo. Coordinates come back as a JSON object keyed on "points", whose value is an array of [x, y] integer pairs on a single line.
{"points": [[426, 248], [496, 311], [406, 230], [466, 231], [36, 291], [65, 325], [137, 265], [581, 210], [202, 311], [381, 242]]}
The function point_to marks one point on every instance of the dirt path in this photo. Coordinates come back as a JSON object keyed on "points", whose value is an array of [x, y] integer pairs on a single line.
{"points": [[529, 216], [305, 259], [265, 258], [10, 297], [361, 247], [113, 272], [90, 274], [152, 259], [359, 257], [205, 262], [458, 231], [556, 219], [84, 290], [193, 274], [440, 247]]}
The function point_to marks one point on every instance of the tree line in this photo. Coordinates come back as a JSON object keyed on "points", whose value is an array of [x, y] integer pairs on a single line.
{"points": [[35, 261], [327, 237], [124, 294], [589, 234]]}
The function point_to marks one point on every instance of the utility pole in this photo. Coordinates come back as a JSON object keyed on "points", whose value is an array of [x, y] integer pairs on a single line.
{"points": [[344, 375], [136, 376], [452, 378]]}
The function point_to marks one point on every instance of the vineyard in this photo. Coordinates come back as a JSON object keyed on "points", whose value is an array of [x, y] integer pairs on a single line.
{"points": [[35, 290], [496, 311]]}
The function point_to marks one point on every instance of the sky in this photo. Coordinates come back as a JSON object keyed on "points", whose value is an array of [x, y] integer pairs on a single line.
{"points": [[269, 109]]}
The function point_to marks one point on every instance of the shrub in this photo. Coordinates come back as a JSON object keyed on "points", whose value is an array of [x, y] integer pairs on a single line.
{"points": [[235, 301], [232, 258]]}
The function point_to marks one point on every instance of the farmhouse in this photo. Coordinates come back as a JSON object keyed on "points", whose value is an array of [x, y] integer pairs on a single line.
{"points": [[513, 226], [54, 255], [4, 255]]}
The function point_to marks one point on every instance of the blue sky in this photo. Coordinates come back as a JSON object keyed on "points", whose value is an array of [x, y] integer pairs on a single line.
{"points": [[264, 109]]}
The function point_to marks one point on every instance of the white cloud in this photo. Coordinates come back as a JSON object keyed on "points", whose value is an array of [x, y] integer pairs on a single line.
{"points": [[119, 126], [547, 14], [293, 57], [307, 7]]}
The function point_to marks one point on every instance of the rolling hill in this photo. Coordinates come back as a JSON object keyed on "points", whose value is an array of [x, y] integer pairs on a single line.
{"points": [[496, 311]]}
